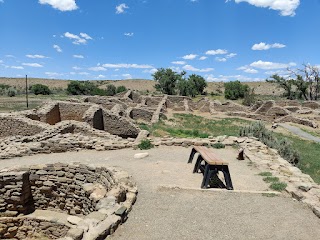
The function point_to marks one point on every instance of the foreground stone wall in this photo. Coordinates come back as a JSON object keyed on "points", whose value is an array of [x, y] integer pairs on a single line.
{"points": [[24, 228], [98, 198], [11, 125]]}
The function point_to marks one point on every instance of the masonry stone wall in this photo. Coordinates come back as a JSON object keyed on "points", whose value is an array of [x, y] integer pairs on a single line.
{"points": [[11, 125], [140, 113], [24, 228], [119, 126], [72, 111], [94, 117], [59, 187], [50, 113]]}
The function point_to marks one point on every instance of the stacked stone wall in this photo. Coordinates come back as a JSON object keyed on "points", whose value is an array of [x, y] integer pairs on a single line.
{"points": [[72, 111], [119, 126], [15, 125], [50, 113], [24, 228], [140, 113]]}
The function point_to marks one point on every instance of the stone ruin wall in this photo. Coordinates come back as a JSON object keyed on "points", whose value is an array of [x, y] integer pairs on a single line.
{"points": [[58, 187], [11, 125], [24, 228], [76, 189], [72, 111]]}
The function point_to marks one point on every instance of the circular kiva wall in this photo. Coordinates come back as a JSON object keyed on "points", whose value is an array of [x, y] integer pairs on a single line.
{"points": [[60, 200]]}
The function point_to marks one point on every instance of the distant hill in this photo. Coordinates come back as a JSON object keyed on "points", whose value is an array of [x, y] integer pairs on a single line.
{"points": [[261, 88]]}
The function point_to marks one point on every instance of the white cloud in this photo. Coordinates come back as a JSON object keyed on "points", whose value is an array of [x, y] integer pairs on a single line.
{"points": [[193, 69], [97, 69], [152, 71], [129, 34], [53, 74], [121, 8], [125, 65], [286, 7], [127, 76], [78, 39], [76, 68], [85, 36], [78, 56], [221, 59], [190, 56], [203, 58], [231, 55], [227, 78], [251, 70], [62, 5], [9, 56], [84, 73], [35, 56], [271, 65], [101, 76], [1, 61], [37, 65], [179, 62], [264, 46], [56, 47], [216, 52], [17, 67]]}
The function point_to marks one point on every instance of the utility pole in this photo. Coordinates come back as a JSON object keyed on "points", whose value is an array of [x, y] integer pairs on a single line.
{"points": [[27, 91]]}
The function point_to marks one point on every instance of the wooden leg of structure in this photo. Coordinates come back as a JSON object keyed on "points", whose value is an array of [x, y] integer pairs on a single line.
{"points": [[193, 152]]}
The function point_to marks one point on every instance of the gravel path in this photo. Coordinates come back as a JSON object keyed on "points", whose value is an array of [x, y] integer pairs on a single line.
{"points": [[181, 212], [299, 132]]}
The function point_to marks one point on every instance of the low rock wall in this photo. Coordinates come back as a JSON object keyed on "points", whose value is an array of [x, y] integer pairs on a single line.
{"points": [[13, 125]]}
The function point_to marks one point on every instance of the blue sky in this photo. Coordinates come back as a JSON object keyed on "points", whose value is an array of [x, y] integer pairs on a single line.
{"points": [[220, 40]]}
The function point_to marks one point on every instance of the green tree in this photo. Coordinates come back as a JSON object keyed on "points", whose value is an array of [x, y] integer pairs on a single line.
{"points": [[285, 84], [166, 80], [198, 83], [121, 89], [84, 88], [235, 90], [75, 88], [111, 90], [40, 89]]}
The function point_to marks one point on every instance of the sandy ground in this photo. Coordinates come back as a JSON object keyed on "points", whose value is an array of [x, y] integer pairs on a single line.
{"points": [[186, 212]]}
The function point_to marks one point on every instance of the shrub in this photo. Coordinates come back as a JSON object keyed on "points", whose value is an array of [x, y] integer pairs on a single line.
{"points": [[121, 89], [270, 179], [40, 89], [284, 147], [111, 90], [278, 186], [235, 90], [249, 98], [11, 92], [84, 88], [218, 145], [145, 144]]}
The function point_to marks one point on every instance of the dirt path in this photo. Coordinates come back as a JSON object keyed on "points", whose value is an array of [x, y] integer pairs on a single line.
{"points": [[299, 132], [171, 205]]}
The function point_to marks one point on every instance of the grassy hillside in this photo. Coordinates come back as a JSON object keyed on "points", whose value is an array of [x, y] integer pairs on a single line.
{"points": [[261, 88]]}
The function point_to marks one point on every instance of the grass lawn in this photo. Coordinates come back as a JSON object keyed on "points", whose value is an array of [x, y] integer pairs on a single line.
{"points": [[310, 156], [188, 125], [18, 103]]}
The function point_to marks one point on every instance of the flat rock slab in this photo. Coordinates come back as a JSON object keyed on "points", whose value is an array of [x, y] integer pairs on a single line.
{"points": [[141, 155]]}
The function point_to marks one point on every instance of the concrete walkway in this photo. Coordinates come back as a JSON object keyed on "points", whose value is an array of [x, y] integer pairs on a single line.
{"points": [[171, 205], [299, 132]]}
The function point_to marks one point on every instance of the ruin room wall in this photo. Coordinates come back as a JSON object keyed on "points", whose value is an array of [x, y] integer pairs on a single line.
{"points": [[12, 126], [72, 111]]}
